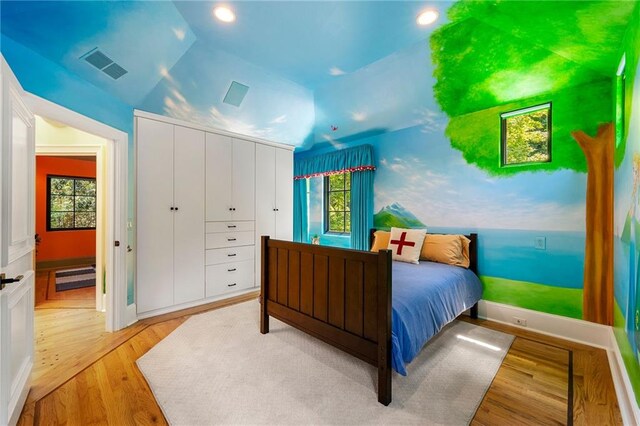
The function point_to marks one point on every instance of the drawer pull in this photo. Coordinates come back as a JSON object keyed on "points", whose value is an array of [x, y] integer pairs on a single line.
{"points": [[231, 239], [231, 285], [231, 255], [231, 226], [231, 270]]}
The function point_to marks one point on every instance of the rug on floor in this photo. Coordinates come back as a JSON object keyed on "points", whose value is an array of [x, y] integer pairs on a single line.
{"points": [[217, 368], [70, 279]]}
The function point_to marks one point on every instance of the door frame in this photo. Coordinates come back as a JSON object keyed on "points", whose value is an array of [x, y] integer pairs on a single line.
{"points": [[103, 154], [119, 315]]}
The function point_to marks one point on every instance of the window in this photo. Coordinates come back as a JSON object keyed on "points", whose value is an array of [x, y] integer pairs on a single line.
{"points": [[621, 81], [337, 203], [526, 135], [71, 203]]}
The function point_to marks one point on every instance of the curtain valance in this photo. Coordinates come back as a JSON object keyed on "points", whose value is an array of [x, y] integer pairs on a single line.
{"points": [[358, 158]]}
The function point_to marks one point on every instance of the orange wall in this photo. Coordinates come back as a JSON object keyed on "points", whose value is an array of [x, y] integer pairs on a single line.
{"points": [[58, 245]]}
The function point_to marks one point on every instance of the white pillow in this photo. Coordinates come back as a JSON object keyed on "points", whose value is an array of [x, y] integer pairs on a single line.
{"points": [[406, 244]]}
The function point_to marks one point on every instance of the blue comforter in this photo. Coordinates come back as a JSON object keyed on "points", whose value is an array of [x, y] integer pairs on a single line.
{"points": [[425, 298]]}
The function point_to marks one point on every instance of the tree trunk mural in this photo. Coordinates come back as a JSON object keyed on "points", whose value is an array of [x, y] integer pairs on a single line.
{"points": [[598, 259]]}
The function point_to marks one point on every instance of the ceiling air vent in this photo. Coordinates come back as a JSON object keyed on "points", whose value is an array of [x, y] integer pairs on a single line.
{"points": [[105, 64], [114, 71], [236, 93]]}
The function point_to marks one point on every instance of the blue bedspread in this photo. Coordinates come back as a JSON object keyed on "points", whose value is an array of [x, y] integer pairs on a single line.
{"points": [[426, 297]]}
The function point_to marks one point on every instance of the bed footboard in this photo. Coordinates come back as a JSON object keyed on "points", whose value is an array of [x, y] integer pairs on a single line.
{"points": [[340, 296]]}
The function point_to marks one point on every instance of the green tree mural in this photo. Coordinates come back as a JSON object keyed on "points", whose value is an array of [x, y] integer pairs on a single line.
{"points": [[499, 56]]}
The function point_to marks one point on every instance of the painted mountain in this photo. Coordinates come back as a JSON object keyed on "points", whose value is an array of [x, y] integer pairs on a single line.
{"points": [[396, 215]]}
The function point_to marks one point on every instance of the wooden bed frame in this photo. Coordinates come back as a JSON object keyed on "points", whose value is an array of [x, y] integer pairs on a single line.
{"points": [[340, 296]]}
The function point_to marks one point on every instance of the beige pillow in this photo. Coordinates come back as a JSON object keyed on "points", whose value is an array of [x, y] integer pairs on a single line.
{"points": [[406, 244], [449, 249], [380, 240]]}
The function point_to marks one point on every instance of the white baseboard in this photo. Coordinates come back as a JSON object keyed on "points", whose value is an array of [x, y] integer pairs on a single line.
{"points": [[161, 311], [588, 333], [626, 397]]}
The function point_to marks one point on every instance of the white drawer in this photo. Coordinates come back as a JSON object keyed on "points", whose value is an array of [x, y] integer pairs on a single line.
{"points": [[229, 277], [229, 226], [230, 254], [229, 239]]}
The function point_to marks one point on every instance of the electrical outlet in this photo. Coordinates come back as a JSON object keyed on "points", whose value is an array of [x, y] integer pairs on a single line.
{"points": [[540, 243], [520, 321]]}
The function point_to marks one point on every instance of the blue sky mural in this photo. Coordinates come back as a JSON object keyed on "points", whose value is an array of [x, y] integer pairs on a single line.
{"points": [[274, 108]]}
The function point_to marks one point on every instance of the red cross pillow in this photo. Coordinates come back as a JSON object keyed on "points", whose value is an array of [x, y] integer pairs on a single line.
{"points": [[406, 244]]}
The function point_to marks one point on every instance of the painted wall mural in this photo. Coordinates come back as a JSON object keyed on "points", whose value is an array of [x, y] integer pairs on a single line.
{"points": [[627, 208], [436, 133]]}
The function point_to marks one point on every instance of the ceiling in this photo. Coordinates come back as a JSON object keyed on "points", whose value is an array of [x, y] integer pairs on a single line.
{"points": [[310, 42], [307, 42]]}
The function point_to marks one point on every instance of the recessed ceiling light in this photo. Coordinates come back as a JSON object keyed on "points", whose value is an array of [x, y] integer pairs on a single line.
{"points": [[224, 14], [427, 17]]}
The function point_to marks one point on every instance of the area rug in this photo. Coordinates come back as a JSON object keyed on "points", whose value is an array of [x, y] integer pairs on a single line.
{"points": [[70, 279], [217, 368]]}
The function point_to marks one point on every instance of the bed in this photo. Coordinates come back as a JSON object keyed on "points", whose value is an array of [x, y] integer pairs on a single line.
{"points": [[346, 298]]}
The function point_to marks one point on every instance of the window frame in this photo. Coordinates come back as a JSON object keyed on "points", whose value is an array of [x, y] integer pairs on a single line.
{"points": [[325, 206], [503, 133], [75, 178]]}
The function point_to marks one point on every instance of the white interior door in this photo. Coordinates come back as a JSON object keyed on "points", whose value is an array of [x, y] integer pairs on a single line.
{"points": [[155, 215], [244, 176], [218, 180], [284, 194], [188, 250], [17, 230]]}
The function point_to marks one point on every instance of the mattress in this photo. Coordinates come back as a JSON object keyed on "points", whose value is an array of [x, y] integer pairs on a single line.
{"points": [[425, 298]]}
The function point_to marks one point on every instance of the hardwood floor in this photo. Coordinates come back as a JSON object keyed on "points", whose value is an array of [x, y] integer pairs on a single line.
{"points": [[48, 298], [543, 380]]}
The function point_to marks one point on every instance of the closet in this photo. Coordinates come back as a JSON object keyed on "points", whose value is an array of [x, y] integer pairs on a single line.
{"points": [[204, 198], [171, 214], [274, 196]]}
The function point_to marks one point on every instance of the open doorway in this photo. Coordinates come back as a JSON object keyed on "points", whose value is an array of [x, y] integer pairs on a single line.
{"points": [[67, 202], [61, 132]]}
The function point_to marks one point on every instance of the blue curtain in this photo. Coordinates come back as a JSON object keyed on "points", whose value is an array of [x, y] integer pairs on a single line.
{"points": [[361, 208], [300, 208], [345, 160], [359, 162]]}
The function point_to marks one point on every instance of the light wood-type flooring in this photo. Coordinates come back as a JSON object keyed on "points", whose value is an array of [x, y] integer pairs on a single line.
{"points": [[543, 380], [48, 298]]}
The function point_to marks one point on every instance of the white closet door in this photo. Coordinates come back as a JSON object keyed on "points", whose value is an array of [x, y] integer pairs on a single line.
{"points": [[265, 191], [155, 219], [244, 175], [284, 194], [189, 178], [219, 170]]}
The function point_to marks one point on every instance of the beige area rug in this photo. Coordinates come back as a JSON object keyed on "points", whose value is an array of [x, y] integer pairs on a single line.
{"points": [[217, 368]]}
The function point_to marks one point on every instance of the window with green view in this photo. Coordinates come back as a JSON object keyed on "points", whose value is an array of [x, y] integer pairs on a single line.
{"points": [[71, 203], [337, 203], [526, 135]]}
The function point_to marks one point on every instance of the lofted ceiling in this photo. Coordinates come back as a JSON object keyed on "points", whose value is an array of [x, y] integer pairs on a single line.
{"points": [[308, 42], [314, 42]]}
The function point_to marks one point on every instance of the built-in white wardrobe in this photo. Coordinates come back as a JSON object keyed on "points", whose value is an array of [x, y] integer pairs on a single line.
{"points": [[204, 199]]}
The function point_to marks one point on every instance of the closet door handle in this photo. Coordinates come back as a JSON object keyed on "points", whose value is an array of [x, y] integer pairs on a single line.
{"points": [[231, 239], [230, 209], [231, 285], [231, 226], [231, 270], [172, 208], [176, 209], [231, 255]]}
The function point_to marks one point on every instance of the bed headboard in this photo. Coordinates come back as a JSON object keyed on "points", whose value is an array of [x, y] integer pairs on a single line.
{"points": [[473, 248]]}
